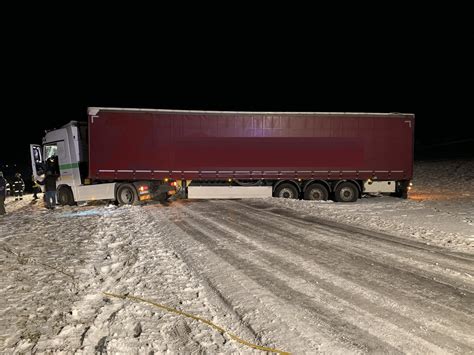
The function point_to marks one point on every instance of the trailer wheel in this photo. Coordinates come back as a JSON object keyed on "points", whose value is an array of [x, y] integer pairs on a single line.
{"points": [[286, 191], [346, 192], [127, 194], [65, 196], [316, 192]]}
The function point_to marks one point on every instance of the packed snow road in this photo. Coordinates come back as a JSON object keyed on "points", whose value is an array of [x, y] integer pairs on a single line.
{"points": [[266, 273], [315, 285]]}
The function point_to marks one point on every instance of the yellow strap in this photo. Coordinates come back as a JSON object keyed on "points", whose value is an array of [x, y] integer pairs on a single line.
{"points": [[219, 329]]}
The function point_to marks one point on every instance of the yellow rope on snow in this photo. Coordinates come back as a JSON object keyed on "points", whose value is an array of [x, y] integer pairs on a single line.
{"points": [[219, 329]]}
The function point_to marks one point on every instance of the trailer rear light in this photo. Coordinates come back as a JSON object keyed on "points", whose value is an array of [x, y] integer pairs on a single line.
{"points": [[143, 188], [174, 184]]}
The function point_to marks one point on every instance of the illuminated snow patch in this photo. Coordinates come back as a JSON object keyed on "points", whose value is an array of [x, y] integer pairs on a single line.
{"points": [[83, 213], [107, 211]]}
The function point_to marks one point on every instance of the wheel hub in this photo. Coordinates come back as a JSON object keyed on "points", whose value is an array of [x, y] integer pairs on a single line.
{"points": [[346, 193], [286, 193], [126, 196]]}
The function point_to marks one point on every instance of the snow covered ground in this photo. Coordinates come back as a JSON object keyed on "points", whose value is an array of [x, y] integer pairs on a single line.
{"points": [[439, 211], [296, 276], [55, 266]]}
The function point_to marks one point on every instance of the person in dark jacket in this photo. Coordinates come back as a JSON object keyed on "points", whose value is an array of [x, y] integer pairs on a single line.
{"points": [[49, 183], [18, 187], [3, 193]]}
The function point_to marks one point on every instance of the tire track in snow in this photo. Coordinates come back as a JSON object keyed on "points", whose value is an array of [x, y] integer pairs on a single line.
{"points": [[272, 319], [215, 307], [324, 314], [266, 223], [459, 300], [377, 256], [408, 245], [225, 281], [270, 309]]}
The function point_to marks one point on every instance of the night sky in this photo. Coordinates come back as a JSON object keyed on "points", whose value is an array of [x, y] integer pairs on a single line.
{"points": [[51, 80]]}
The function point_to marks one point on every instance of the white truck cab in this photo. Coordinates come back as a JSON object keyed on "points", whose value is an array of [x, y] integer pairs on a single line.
{"points": [[65, 150]]}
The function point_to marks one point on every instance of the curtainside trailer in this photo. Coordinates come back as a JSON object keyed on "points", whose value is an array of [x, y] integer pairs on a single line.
{"points": [[133, 155]]}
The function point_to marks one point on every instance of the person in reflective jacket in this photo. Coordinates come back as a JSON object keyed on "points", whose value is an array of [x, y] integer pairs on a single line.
{"points": [[36, 188], [18, 187]]}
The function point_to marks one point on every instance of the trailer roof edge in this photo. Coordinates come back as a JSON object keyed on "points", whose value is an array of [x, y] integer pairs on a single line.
{"points": [[94, 110]]}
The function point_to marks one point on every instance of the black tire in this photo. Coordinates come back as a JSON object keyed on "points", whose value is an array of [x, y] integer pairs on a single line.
{"points": [[65, 196], [127, 194], [286, 191], [346, 192], [316, 192]]}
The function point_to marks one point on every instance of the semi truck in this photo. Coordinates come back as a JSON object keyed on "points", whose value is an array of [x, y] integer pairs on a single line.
{"points": [[131, 155]]}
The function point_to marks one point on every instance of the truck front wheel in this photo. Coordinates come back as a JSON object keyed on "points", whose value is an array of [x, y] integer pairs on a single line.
{"points": [[127, 194], [65, 196]]}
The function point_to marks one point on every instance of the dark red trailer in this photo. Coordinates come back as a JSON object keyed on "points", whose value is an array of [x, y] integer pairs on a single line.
{"points": [[131, 155], [299, 154]]}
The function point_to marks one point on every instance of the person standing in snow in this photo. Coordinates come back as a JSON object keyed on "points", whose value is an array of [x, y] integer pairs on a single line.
{"points": [[3, 193], [18, 187], [49, 183]]}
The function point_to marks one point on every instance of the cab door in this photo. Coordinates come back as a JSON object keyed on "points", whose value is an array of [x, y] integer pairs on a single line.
{"points": [[37, 163]]}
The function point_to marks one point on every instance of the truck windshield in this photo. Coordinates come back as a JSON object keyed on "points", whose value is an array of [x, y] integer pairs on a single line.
{"points": [[51, 158], [50, 150]]}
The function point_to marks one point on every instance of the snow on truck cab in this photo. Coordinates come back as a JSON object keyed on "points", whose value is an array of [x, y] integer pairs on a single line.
{"points": [[135, 155]]}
